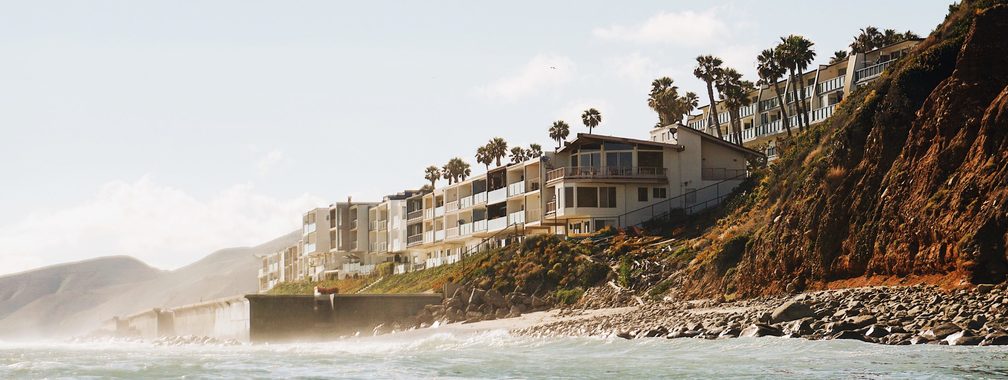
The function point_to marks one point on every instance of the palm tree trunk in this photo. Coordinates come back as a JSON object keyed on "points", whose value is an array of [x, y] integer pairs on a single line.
{"points": [[783, 108], [713, 110], [805, 106], [738, 126], [794, 96]]}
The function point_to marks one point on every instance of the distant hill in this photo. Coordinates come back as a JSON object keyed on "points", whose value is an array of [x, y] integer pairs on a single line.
{"points": [[74, 298]]}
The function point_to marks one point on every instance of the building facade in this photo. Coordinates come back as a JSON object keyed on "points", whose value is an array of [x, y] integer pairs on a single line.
{"points": [[823, 88]]}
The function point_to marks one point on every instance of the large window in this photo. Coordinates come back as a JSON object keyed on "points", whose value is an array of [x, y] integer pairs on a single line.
{"points": [[659, 193], [568, 197], [647, 159], [607, 197], [642, 195], [587, 197], [619, 159]]}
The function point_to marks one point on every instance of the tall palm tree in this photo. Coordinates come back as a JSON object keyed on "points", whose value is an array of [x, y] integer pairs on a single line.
{"points": [[909, 35], [838, 56], [518, 155], [796, 54], [483, 156], [708, 69], [432, 174], [770, 73], [464, 171], [497, 148], [869, 39], [664, 99], [735, 95], [591, 118], [559, 132], [891, 36], [447, 172], [534, 151]]}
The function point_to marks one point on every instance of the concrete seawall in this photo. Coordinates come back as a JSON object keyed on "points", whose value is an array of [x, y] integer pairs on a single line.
{"points": [[269, 318]]}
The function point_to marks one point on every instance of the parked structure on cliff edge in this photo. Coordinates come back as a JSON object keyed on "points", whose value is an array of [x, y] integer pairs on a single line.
{"points": [[593, 182], [824, 88]]}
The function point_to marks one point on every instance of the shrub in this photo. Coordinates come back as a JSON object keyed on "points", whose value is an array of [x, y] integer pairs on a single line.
{"points": [[569, 296], [835, 175]]}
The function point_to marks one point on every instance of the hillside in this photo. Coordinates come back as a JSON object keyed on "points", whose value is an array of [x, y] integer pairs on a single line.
{"points": [[907, 182], [74, 298]]}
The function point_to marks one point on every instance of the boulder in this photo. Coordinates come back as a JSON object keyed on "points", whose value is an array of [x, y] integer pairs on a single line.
{"points": [[963, 338], [876, 331], [760, 329], [862, 321], [493, 297], [995, 339], [801, 327], [941, 331], [849, 334], [476, 297], [790, 311], [731, 332]]}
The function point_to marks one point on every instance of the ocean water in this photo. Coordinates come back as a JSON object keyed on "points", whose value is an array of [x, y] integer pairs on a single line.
{"points": [[499, 355]]}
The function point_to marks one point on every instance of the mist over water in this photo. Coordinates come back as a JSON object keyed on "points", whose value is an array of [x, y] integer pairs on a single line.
{"points": [[497, 354]]}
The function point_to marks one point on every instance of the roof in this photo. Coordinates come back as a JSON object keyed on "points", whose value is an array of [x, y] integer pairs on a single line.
{"points": [[627, 140], [714, 139]]}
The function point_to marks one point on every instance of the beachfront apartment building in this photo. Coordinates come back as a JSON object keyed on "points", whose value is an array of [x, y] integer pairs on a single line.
{"points": [[592, 182], [824, 88], [280, 266]]}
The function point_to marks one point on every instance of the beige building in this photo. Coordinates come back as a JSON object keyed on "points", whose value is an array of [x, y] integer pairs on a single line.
{"points": [[824, 88], [280, 266]]}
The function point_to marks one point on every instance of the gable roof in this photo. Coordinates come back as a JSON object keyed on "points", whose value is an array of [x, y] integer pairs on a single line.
{"points": [[714, 139], [627, 140]]}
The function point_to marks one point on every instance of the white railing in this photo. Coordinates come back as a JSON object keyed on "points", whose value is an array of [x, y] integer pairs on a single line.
{"points": [[551, 206], [428, 237], [428, 213], [439, 235], [832, 84], [516, 217], [380, 246], [496, 224], [517, 188], [606, 172], [451, 206], [357, 268], [871, 71], [438, 211], [479, 198], [452, 232], [479, 225], [497, 195], [465, 229], [415, 239], [821, 114], [465, 202]]}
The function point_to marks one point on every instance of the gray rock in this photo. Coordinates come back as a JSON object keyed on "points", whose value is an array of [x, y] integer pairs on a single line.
{"points": [[963, 338], [791, 310], [876, 331], [941, 331], [760, 329], [493, 297], [853, 335], [995, 339], [862, 321]]}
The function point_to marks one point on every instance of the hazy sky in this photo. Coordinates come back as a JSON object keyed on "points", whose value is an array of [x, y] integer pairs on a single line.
{"points": [[168, 129]]}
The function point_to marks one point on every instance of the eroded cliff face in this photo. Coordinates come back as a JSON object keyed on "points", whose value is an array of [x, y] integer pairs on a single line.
{"points": [[909, 178]]}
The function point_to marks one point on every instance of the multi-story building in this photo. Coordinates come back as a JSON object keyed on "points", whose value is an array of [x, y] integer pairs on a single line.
{"points": [[823, 87], [279, 266]]}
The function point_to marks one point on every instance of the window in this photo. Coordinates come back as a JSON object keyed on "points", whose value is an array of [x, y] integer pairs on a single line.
{"points": [[642, 194], [568, 197], [587, 197], [607, 197], [659, 193], [647, 159]]}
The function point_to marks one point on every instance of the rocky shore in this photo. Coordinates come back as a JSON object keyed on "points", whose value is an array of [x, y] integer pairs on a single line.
{"points": [[885, 315]]}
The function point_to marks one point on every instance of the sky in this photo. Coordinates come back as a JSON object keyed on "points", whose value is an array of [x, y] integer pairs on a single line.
{"points": [[166, 130]]}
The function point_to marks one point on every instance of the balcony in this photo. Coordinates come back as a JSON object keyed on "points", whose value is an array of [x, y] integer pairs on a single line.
{"points": [[497, 195], [479, 198], [479, 225], [497, 224], [533, 186], [517, 217], [439, 211], [465, 229], [379, 225], [452, 232], [414, 215], [613, 172], [871, 72], [414, 240], [451, 206], [380, 246], [517, 188], [532, 215], [465, 202], [551, 207], [439, 235], [428, 213], [832, 84], [428, 237], [821, 114]]}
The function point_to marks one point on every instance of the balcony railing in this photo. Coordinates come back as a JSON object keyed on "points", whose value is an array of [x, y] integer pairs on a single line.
{"points": [[428, 237], [551, 207], [428, 213], [516, 217], [517, 188], [821, 114], [606, 172], [465, 202], [532, 186], [479, 225], [379, 225], [439, 235], [496, 224], [710, 174], [451, 206], [413, 240], [832, 84], [465, 229], [380, 246], [871, 71], [479, 198], [452, 232], [532, 215], [497, 195], [414, 215]]}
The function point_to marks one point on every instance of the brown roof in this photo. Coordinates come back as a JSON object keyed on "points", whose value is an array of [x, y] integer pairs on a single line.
{"points": [[619, 139], [714, 139]]}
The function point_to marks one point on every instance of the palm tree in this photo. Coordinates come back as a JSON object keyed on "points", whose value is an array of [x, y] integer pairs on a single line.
{"points": [[796, 54], [869, 39], [770, 73], [909, 35], [463, 170], [432, 174], [497, 148], [447, 172], [891, 36], [838, 56], [735, 95], [559, 132], [708, 69], [664, 99], [518, 155], [591, 118], [483, 156], [455, 170], [534, 151]]}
